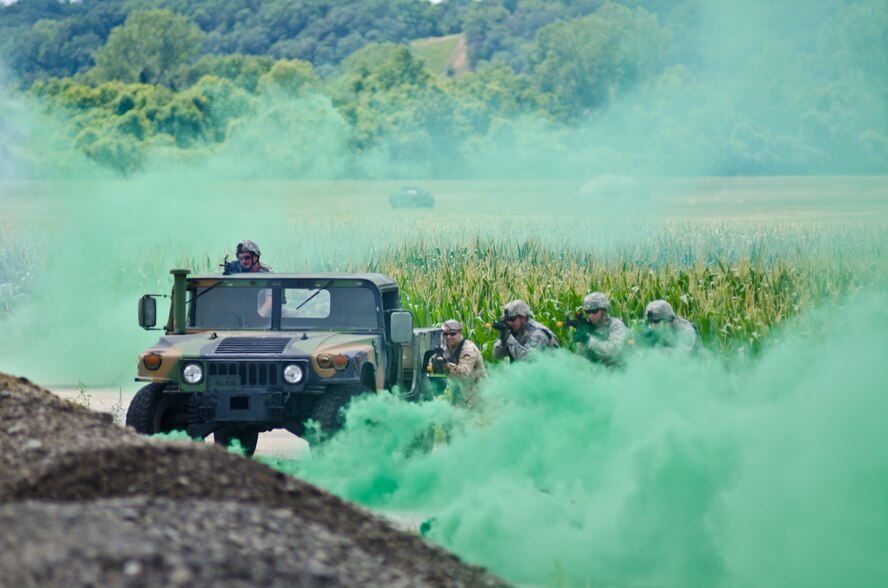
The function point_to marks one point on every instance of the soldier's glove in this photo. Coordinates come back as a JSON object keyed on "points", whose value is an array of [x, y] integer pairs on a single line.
{"points": [[580, 335], [504, 335], [232, 267], [649, 337]]}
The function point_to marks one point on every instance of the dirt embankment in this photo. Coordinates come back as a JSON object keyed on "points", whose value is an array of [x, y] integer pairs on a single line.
{"points": [[84, 502]]}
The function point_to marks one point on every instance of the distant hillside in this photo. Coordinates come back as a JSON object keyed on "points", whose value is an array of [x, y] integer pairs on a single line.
{"points": [[445, 56]]}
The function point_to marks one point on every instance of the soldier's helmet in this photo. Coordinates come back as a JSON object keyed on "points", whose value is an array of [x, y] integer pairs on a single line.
{"points": [[518, 308], [595, 301], [249, 247], [658, 310], [452, 325]]}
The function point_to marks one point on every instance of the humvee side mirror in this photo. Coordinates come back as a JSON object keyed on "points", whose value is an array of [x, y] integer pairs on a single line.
{"points": [[147, 311], [401, 327]]}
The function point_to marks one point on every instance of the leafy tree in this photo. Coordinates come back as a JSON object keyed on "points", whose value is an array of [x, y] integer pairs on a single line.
{"points": [[61, 39], [243, 70], [28, 12], [493, 91], [584, 63], [117, 151], [504, 30], [288, 77], [147, 48], [227, 103], [399, 113], [320, 31]]}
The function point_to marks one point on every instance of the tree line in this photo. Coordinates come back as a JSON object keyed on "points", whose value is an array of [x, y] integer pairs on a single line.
{"points": [[554, 87]]}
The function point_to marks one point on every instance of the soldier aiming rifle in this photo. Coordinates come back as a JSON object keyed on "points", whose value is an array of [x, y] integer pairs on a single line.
{"points": [[599, 337], [519, 334], [460, 360]]}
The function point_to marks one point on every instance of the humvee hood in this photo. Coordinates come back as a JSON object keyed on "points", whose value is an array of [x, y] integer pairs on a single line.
{"points": [[250, 343]]}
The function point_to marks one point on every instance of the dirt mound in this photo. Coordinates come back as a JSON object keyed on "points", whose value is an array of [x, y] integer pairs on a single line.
{"points": [[84, 502]]}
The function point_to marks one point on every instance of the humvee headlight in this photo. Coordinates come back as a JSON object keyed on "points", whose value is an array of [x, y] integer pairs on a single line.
{"points": [[325, 361], [293, 373], [192, 373], [152, 361]]}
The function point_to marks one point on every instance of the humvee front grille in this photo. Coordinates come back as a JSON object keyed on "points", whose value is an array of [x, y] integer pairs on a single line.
{"points": [[249, 345], [250, 374]]}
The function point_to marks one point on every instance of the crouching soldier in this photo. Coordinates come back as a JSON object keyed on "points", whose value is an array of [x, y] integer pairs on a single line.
{"points": [[462, 362], [668, 331], [603, 338], [519, 334]]}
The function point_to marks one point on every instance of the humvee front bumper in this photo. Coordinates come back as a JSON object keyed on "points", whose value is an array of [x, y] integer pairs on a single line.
{"points": [[242, 406]]}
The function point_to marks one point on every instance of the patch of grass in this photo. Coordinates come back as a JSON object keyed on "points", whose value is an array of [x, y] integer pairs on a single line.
{"points": [[439, 53], [83, 397]]}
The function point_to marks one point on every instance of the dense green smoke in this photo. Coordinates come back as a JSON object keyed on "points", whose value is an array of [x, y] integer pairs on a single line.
{"points": [[670, 473], [100, 245]]}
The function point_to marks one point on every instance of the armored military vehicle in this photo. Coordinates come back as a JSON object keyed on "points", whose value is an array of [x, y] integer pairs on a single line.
{"points": [[247, 353]]}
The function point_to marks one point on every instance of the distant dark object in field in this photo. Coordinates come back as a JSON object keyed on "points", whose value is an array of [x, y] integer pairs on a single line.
{"points": [[614, 188], [411, 197]]}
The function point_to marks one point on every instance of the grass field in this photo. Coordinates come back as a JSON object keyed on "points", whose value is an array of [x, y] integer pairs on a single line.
{"points": [[442, 55]]}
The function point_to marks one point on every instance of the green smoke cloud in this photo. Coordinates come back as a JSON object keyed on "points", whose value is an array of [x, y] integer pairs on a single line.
{"points": [[670, 473]]}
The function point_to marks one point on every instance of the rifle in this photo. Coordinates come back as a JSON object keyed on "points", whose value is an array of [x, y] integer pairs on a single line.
{"points": [[437, 361], [580, 323], [502, 325], [230, 267], [578, 320]]}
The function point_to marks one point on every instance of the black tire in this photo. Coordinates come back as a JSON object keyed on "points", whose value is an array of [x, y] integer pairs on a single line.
{"points": [[151, 411], [248, 437], [327, 411]]}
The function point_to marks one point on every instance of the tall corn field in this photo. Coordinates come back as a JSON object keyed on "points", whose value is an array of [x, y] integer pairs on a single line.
{"points": [[733, 297]]}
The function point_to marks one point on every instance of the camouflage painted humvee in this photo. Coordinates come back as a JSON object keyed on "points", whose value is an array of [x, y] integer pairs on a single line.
{"points": [[246, 353]]}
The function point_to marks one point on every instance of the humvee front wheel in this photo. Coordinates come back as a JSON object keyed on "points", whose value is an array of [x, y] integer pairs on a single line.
{"points": [[151, 412], [327, 411]]}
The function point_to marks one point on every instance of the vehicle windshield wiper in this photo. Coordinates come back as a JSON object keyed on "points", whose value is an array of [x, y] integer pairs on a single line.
{"points": [[315, 293], [196, 296]]}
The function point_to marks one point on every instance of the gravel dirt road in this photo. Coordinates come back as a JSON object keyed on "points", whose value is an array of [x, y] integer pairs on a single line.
{"points": [[84, 502]]}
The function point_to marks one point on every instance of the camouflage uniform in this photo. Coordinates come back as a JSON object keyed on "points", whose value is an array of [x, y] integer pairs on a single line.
{"points": [[602, 343], [679, 335], [535, 335], [469, 370], [685, 337]]}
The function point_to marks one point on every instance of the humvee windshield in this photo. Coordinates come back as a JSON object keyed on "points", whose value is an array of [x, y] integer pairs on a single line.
{"points": [[285, 306]]}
